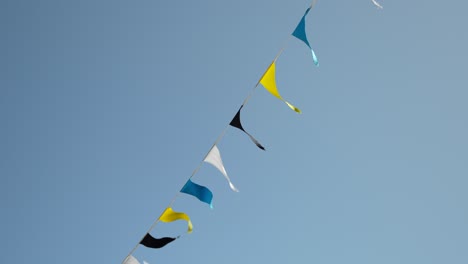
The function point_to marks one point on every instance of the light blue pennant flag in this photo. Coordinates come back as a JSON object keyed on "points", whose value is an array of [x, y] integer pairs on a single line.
{"points": [[201, 192]]}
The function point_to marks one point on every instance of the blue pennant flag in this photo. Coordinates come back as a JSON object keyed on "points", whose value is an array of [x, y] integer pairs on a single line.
{"points": [[300, 33], [201, 192]]}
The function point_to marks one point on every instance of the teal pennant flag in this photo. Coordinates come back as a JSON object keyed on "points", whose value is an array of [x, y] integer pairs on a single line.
{"points": [[201, 192], [300, 33]]}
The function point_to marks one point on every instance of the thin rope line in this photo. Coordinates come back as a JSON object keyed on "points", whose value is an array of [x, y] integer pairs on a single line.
{"points": [[201, 163], [250, 94]]}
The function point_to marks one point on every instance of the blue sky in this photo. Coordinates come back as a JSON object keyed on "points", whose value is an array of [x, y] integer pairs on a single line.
{"points": [[106, 108]]}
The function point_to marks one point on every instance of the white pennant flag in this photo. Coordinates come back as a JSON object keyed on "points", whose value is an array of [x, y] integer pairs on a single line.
{"points": [[131, 260], [214, 158], [377, 4]]}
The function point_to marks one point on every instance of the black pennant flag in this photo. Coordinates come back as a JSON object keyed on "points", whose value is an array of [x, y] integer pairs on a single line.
{"points": [[236, 122], [151, 242]]}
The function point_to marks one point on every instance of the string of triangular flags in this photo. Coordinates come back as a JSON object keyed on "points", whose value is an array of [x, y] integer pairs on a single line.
{"points": [[202, 193]]}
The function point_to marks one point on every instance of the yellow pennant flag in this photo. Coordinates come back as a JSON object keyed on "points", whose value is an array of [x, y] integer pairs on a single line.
{"points": [[268, 81], [169, 216]]}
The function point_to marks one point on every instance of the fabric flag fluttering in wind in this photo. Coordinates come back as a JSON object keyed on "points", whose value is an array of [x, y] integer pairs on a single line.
{"points": [[169, 216], [300, 33], [201, 192], [377, 4], [236, 122], [214, 158], [269, 82], [131, 260], [151, 242]]}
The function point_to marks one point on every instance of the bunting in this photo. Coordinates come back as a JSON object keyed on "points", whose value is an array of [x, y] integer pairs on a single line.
{"points": [[236, 122], [131, 260], [170, 216], [269, 82], [214, 158], [151, 242], [201, 192], [300, 33]]}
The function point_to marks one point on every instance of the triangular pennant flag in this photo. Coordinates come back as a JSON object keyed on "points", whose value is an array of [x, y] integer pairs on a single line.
{"points": [[214, 158], [300, 33], [169, 216], [236, 122], [131, 260], [151, 242], [269, 82], [201, 192]]}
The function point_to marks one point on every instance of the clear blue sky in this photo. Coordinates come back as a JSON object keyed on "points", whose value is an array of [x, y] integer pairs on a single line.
{"points": [[106, 107]]}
